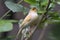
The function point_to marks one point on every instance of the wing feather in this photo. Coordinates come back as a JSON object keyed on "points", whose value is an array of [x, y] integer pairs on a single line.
{"points": [[26, 20]]}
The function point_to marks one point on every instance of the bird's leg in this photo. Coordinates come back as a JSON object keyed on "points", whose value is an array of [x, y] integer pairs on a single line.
{"points": [[31, 27]]}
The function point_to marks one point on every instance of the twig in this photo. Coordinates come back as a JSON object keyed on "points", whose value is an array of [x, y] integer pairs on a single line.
{"points": [[9, 10], [20, 1], [5, 14], [43, 31]]}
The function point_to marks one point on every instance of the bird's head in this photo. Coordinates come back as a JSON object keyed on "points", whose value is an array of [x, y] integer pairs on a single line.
{"points": [[34, 9]]}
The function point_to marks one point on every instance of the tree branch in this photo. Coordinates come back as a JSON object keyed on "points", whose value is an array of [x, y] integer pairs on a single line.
{"points": [[43, 31]]}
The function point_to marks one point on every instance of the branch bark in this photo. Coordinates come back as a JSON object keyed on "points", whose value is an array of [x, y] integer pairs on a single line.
{"points": [[43, 31]]}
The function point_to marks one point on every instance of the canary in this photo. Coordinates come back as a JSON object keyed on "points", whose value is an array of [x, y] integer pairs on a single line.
{"points": [[29, 19]]}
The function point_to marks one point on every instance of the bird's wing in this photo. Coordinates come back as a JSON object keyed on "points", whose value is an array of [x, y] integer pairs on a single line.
{"points": [[26, 20], [28, 17]]}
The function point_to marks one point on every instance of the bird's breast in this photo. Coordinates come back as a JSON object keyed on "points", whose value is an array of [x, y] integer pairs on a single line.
{"points": [[34, 19], [34, 16]]}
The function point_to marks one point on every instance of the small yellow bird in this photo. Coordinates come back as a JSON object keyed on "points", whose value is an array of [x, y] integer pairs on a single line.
{"points": [[29, 19]]}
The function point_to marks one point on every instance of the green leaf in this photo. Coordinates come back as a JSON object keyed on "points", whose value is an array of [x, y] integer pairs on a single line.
{"points": [[52, 5], [20, 21], [25, 10], [37, 0], [8, 37], [58, 0], [55, 21], [53, 1], [44, 2], [30, 1], [54, 15], [40, 11], [13, 6], [6, 25], [58, 3]]}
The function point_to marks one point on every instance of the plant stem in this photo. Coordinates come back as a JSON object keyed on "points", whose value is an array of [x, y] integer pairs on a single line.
{"points": [[5, 14]]}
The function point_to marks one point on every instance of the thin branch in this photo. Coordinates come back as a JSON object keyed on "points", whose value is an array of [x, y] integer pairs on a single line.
{"points": [[9, 10], [5, 14], [43, 31], [47, 8], [20, 1]]}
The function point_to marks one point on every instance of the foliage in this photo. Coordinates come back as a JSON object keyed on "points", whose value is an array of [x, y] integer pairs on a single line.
{"points": [[52, 16], [30, 1], [6, 25], [7, 38], [14, 7]]}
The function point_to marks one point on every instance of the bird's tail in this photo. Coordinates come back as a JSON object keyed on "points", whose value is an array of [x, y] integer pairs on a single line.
{"points": [[20, 29], [19, 32]]}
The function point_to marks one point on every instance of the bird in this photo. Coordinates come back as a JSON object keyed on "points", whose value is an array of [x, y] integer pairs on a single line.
{"points": [[30, 19]]}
